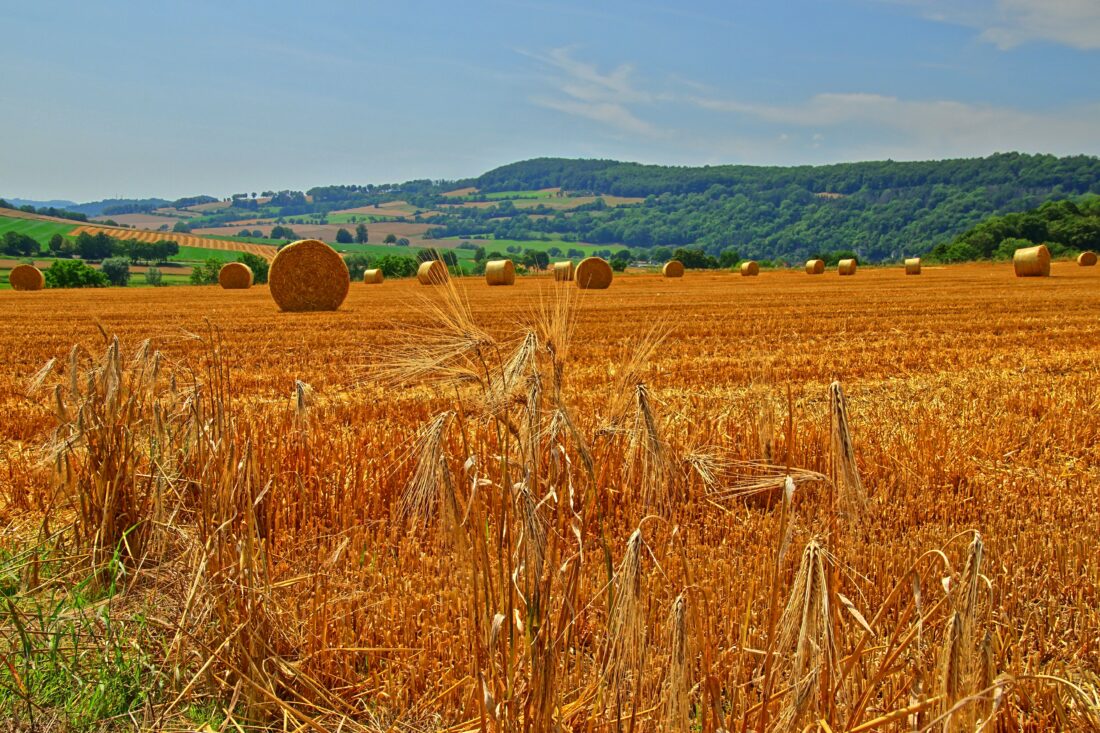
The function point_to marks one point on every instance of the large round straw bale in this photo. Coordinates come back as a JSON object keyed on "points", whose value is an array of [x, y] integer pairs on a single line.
{"points": [[912, 266], [500, 272], [1086, 259], [815, 267], [308, 275], [563, 271], [673, 268], [371, 277], [1032, 261], [593, 273], [847, 267], [749, 268], [432, 272], [26, 277], [235, 276]]}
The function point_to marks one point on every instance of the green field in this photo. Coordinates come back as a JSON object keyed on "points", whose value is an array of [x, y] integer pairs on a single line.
{"points": [[499, 195], [39, 230]]}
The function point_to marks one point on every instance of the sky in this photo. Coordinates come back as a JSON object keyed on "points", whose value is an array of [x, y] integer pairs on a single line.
{"points": [[170, 99]]}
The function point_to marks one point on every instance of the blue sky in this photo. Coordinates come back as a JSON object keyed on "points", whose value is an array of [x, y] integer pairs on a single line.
{"points": [[172, 99]]}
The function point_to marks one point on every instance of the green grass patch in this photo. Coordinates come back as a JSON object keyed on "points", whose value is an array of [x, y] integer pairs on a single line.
{"points": [[39, 230]]}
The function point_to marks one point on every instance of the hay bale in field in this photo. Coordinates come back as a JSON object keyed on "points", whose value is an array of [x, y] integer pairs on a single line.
{"points": [[847, 267], [26, 277], [1086, 259], [563, 271], [815, 267], [308, 275], [912, 266], [593, 273], [749, 268], [372, 277], [432, 272], [1032, 261], [500, 272], [235, 276], [673, 268]]}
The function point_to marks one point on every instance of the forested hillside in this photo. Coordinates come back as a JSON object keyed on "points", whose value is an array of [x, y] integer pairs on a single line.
{"points": [[881, 210], [1066, 227]]}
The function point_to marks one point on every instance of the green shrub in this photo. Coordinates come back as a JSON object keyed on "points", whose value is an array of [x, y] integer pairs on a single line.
{"points": [[117, 270], [74, 274], [154, 277]]}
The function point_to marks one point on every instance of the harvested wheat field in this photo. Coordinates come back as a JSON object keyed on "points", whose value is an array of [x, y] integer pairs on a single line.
{"points": [[540, 508]]}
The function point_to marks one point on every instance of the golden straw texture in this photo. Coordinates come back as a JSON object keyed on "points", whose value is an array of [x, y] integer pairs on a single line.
{"points": [[593, 273], [235, 276], [432, 272], [500, 272], [308, 275], [26, 277], [673, 268], [1032, 261]]}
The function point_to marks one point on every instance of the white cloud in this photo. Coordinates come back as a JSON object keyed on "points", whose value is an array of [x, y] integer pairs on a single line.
{"points": [[1011, 23], [582, 90], [927, 128]]}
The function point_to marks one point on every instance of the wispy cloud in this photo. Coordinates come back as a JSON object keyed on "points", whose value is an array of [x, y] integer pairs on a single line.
{"points": [[927, 127], [582, 90], [1011, 23]]}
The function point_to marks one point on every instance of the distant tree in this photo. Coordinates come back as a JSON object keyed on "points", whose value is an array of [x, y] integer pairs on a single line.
{"points": [[536, 258], [361, 234], [95, 246], [18, 244], [181, 226], [257, 264], [390, 238], [619, 262], [396, 265], [727, 258], [73, 274], [357, 264], [165, 249], [257, 234], [57, 244], [512, 249], [479, 254], [154, 277], [207, 272], [343, 236], [402, 242], [244, 233], [695, 259], [575, 253], [117, 270], [553, 251]]}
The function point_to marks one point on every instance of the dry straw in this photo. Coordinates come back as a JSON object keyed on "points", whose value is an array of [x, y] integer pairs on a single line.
{"points": [[235, 276], [847, 267], [1032, 261], [1086, 259], [815, 267], [593, 273], [912, 266], [500, 272], [26, 277], [563, 271], [673, 268], [432, 272], [373, 277], [308, 275], [750, 269]]}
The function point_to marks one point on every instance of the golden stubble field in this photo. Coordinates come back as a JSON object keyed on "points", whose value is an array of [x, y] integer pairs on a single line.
{"points": [[457, 509]]}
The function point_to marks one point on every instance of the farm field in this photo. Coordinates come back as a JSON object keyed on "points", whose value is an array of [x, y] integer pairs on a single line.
{"points": [[539, 508], [327, 232], [141, 221]]}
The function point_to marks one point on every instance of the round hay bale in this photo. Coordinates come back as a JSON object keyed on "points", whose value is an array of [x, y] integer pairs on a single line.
{"points": [[912, 266], [673, 268], [749, 268], [1086, 259], [432, 272], [372, 277], [235, 276], [593, 273], [563, 271], [500, 272], [1032, 261], [815, 267], [308, 275], [847, 267], [26, 277]]}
